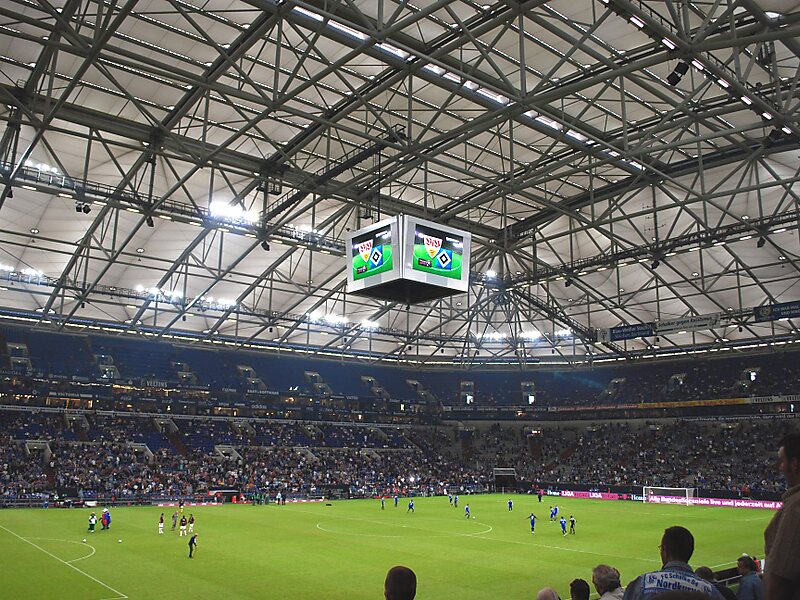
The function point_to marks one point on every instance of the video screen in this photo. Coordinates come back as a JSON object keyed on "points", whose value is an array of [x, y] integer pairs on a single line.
{"points": [[372, 253], [437, 252]]}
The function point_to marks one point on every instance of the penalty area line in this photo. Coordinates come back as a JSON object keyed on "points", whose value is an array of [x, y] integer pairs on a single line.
{"points": [[119, 595]]}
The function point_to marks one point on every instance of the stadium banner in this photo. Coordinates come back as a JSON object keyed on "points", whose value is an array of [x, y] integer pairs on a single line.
{"points": [[773, 312], [729, 502], [593, 495], [691, 403], [626, 332], [693, 323]]}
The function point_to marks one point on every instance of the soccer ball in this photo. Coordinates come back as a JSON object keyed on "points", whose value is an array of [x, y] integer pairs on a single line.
{"points": [[473, 517], [119, 541], [84, 540]]}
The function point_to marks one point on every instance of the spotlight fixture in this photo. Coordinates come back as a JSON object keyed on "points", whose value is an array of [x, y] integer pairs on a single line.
{"points": [[677, 73], [86, 209], [265, 245], [149, 221], [568, 282], [78, 207], [761, 241], [656, 263]]}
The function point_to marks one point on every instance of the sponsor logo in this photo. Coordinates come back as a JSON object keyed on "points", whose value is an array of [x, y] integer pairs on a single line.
{"points": [[424, 263]]}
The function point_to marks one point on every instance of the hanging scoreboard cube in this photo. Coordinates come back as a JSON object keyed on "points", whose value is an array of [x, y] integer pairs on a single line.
{"points": [[409, 260]]}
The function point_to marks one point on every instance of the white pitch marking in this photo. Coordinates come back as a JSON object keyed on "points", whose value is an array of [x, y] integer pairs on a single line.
{"points": [[68, 542], [119, 595]]}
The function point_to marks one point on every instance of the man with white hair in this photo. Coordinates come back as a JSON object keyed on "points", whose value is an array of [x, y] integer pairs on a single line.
{"points": [[547, 593], [606, 581]]}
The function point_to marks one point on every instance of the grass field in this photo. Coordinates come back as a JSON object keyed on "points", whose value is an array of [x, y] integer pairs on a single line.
{"points": [[312, 551]]}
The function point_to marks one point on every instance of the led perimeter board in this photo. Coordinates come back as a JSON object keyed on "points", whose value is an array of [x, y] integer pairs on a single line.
{"points": [[406, 259], [373, 255]]}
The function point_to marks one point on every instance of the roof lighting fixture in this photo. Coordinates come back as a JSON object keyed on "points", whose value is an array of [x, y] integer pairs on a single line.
{"points": [[140, 251], [307, 13], [367, 324], [549, 122], [784, 129], [491, 274], [600, 269], [669, 43], [64, 195], [697, 65], [637, 21], [719, 243], [34, 230], [670, 253], [747, 100], [781, 230], [745, 238], [577, 135], [695, 274], [767, 116], [28, 187], [781, 258]]}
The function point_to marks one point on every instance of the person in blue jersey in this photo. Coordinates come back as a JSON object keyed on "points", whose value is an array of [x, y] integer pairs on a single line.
{"points": [[555, 512], [410, 506], [677, 547], [510, 505], [532, 518], [396, 500], [455, 501], [450, 497], [383, 503], [563, 522], [552, 514], [572, 524], [466, 511]]}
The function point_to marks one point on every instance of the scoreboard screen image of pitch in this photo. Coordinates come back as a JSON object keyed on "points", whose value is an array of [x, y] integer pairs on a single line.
{"points": [[372, 253], [438, 252]]}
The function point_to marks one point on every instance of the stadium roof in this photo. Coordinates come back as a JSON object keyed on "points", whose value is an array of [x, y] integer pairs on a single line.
{"points": [[183, 169]]}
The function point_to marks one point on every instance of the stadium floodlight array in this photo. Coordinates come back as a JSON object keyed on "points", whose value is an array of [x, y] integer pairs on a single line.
{"points": [[662, 495]]}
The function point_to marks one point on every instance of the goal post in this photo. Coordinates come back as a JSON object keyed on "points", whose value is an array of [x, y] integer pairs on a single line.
{"points": [[668, 495]]}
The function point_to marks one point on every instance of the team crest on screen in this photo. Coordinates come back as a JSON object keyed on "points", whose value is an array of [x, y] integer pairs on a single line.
{"points": [[432, 245], [364, 249]]}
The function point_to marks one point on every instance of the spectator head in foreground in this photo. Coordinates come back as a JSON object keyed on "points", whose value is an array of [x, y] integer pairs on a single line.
{"points": [[547, 594], [706, 573], [677, 545], [781, 538], [746, 565], [579, 589], [789, 458], [605, 579], [400, 584]]}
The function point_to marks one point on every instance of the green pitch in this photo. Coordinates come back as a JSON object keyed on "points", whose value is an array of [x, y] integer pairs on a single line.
{"points": [[309, 551], [421, 253], [360, 263]]}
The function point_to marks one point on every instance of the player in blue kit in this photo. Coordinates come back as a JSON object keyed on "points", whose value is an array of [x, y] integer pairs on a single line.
{"points": [[455, 500], [466, 511], [510, 505], [563, 522], [396, 499], [410, 506], [450, 497], [552, 514], [532, 518], [383, 503]]}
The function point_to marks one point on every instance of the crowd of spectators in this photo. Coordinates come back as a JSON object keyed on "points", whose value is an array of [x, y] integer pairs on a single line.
{"points": [[131, 456]]}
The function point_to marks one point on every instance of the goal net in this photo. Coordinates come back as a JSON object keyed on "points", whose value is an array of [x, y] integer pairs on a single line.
{"points": [[668, 495]]}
